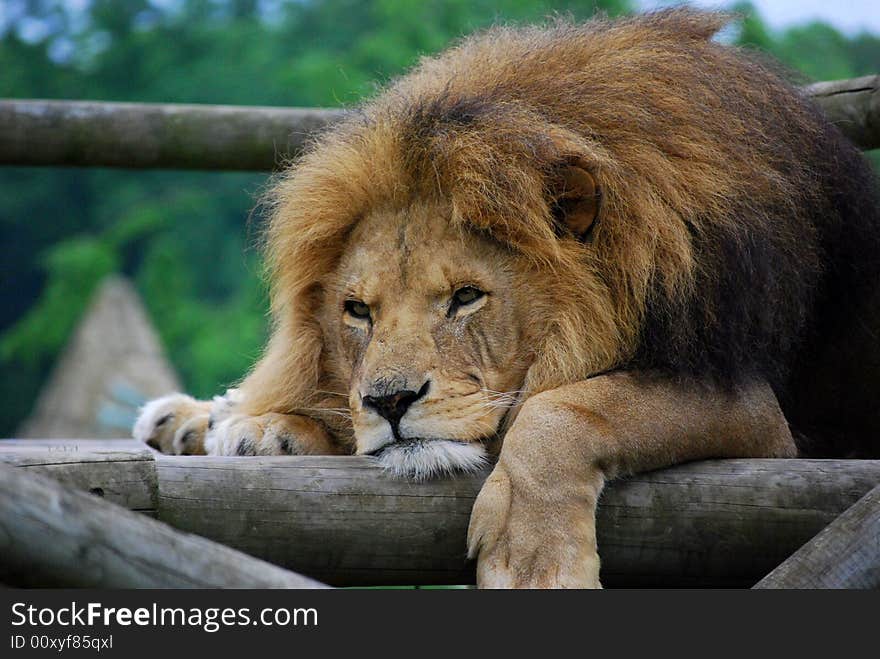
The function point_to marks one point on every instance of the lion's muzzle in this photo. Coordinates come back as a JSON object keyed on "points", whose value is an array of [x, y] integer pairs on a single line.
{"points": [[392, 406]]}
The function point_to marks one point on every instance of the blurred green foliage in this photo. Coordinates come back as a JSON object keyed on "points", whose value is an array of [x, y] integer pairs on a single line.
{"points": [[184, 237]]}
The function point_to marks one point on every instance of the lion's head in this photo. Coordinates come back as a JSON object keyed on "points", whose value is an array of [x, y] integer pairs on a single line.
{"points": [[433, 323], [429, 325], [425, 322], [529, 209]]}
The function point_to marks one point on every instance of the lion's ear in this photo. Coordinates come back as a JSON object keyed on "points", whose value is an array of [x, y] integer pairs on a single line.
{"points": [[575, 198]]}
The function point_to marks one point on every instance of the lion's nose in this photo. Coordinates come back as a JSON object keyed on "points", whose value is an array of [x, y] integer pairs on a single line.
{"points": [[393, 406]]}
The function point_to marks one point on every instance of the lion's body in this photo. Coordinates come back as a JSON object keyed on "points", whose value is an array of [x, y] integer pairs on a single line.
{"points": [[737, 225], [733, 246]]}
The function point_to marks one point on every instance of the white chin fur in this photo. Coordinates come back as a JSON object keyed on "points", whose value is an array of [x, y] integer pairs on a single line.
{"points": [[423, 459]]}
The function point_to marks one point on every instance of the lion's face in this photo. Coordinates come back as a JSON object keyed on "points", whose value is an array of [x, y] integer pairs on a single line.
{"points": [[424, 320]]}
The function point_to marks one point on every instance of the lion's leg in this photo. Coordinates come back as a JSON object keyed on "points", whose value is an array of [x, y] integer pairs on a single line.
{"points": [[533, 524]]}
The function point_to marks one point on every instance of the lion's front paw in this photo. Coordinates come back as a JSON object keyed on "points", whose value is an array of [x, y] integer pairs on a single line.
{"points": [[174, 424], [526, 542], [267, 434]]}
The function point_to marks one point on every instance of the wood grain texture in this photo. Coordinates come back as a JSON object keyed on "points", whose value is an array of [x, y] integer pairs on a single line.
{"points": [[846, 554], [722, 522], [853, 105], [121, 471], [342, 520], [224, 137], [154, 135], [51, 535]]}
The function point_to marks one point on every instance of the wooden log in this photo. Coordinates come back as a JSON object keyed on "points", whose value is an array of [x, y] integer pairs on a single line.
{"points": [[224, 137], [343, 521], [845, 554], [854, 106], [51, 535], [152, 135], [121, 471]]}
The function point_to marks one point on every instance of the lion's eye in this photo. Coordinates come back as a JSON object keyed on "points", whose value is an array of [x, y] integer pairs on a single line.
{"points": [[357, 309], [465, 296]]}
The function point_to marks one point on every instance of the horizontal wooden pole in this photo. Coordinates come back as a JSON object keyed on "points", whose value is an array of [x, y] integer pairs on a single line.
{"points": [[845, 554], [224, 137], [120, 471], [854, 106], [343, 521], [153, 135], [52, 535]]}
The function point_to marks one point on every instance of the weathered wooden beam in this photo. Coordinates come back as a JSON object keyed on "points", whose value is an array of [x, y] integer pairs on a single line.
{"points": [[344, 521], [224, 137], [845, 554], [152, 135], [51, 535], [120, 471], [854, 106]]}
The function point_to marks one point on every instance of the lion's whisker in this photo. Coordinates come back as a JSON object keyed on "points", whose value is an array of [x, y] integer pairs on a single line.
{"points": [[332, 393]]}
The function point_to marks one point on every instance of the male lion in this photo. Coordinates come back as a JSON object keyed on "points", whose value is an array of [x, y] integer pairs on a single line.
{"points": [[615, 245]]}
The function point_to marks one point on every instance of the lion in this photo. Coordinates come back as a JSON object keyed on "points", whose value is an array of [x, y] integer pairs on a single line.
{"points": [[573, 251]]}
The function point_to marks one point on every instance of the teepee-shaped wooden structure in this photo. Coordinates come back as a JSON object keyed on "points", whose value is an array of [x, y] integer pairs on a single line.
{"points": [[111, 365]]}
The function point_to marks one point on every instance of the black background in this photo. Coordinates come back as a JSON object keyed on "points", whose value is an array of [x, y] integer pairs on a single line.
{"points": [[380, 623]]}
